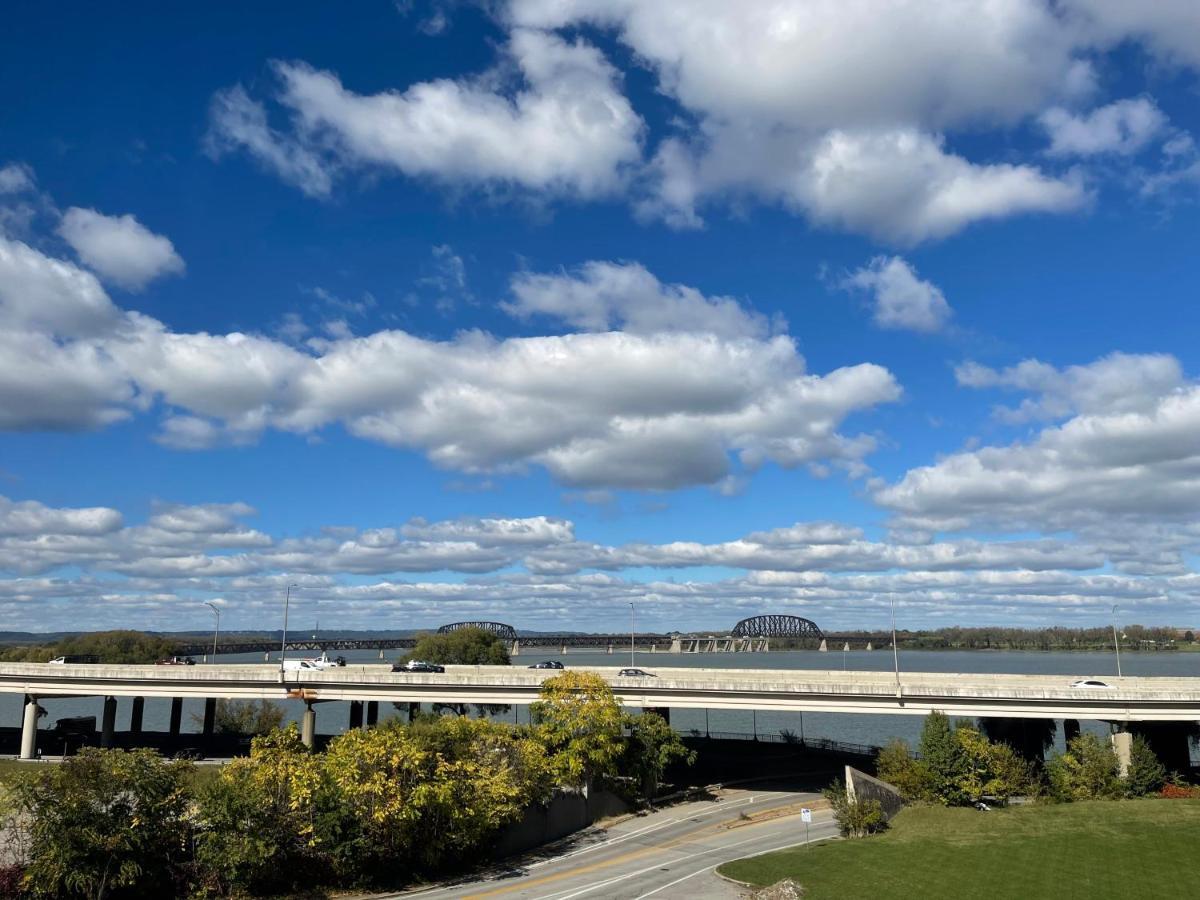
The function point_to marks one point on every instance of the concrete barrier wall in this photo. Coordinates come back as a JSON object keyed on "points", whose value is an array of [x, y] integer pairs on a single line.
{"points": [[567, 812], [861, 786]]}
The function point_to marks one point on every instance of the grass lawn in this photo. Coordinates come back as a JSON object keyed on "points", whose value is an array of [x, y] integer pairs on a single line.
{"points": [[1128, 849]]}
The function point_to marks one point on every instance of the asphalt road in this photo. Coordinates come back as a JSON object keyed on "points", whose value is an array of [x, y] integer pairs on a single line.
{"points": [[668, 855]]}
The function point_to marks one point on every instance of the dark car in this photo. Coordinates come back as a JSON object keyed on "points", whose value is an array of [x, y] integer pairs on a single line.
{"points": [[548, 664], [416, 665], [635, 673]]}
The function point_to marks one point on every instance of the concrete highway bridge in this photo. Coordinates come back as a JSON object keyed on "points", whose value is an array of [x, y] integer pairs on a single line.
{"points": [[1123, 700]]}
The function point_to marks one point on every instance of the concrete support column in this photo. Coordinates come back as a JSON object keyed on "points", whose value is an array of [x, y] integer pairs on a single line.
{"points": [[664, 711], [372, 714], [1070, 730], [135, 715], [1122, 743], [210, 715], [1170, 741], [308, 726], [356, 714], [610, 649], [516, 648], [29, 723], [109, 722], [176, 715], [414, 710]]}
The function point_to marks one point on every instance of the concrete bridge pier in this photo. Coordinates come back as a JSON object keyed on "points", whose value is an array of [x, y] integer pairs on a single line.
{"points": [[135, 715], [610, 649], [563, 651], [108, 722], [356, 715], [210, 715], [176, 715], [308, 726], [29, 723], [516, 649], [664, 711], [1070, 730], [1170, 741], [676, 645], [414, 710], [372, 714]]}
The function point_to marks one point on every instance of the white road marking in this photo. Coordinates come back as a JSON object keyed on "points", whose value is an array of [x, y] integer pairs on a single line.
{"points": [[619, 878], [790, 843]]}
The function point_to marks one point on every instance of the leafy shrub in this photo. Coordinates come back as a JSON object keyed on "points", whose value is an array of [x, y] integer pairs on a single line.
{"points": [[1146, 775], [102, 821], [856, 818], [1086, 771]]}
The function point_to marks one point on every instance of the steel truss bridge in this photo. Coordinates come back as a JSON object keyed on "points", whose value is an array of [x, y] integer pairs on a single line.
{"points": [[756, 628]]}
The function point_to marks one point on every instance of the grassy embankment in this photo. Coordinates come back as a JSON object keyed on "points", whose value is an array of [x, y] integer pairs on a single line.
{"points": [[1098, 850]]}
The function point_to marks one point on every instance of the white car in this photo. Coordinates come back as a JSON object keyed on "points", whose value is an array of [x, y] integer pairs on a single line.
{"points": [[1090, 683]]}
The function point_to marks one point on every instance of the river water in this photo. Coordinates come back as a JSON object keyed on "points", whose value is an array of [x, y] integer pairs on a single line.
{"points": [[332, 718]]}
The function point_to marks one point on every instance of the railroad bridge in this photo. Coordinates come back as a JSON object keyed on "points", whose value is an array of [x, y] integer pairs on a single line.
{"points": [[753, 634]]}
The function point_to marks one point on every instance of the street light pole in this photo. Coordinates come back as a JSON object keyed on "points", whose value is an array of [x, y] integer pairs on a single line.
{"points": [[895, 647], [216, 630], [287, 597], [632, 631], [1116, 643]]}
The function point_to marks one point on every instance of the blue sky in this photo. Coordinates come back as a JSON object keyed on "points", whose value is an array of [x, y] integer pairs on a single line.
{"points": [[525, 310]]}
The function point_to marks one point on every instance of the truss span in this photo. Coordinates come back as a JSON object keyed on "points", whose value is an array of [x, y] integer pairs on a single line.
{"points": [[507, 632], [777, 626]]}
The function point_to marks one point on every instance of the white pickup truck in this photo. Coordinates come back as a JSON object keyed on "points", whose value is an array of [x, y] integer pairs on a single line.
{"points": [[321, 662]]}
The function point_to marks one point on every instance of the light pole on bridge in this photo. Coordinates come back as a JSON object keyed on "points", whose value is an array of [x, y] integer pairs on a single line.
{"points": [[1116, 643], [217, 629], [287, 597], [895, 647], [632, 631]]}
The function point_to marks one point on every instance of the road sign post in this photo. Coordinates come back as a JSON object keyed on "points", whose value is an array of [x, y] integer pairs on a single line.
{"points": [[806, 818]]}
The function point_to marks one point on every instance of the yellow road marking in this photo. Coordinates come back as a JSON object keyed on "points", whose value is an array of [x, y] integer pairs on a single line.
{"points": [[592, 867]]}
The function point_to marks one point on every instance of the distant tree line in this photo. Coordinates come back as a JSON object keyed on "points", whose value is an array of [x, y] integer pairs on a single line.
{"points": [[129, 647], [1132, 637]]}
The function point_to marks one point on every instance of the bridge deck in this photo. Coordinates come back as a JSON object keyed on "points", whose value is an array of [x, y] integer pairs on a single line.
{"points": [[1033, 696]]}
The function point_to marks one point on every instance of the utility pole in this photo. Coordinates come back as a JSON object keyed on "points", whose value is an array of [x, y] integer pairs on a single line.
{"points": [[216, 630]]}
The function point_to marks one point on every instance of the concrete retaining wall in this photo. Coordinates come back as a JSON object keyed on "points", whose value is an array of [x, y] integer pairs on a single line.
{"points": [[861, 786], [567, 812]]}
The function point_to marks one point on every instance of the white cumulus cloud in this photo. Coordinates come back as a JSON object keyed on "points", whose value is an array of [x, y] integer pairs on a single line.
{"points": [[900, 298], [120, 248], [1123, 127]]}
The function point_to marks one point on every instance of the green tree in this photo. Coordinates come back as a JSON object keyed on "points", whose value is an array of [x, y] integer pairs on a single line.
{"points": [[430, 793], [579, 722], [465, 646], [1146, 775], [1086, 771], [104, 821], [653, 745], [991, 769], [943, 756], [911, 777]]}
